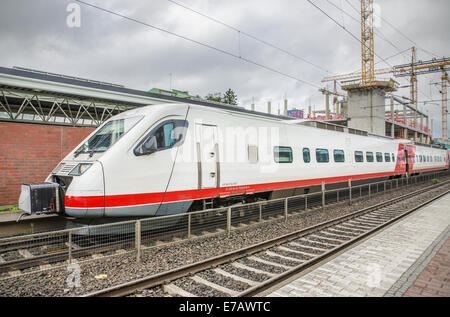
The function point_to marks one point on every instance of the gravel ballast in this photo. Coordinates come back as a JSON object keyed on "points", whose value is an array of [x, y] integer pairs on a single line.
{"points": [[63, 281]]}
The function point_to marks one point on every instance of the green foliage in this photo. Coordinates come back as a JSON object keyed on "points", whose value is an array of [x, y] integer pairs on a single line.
{"points": [[228, 97], [10, 208], [214, 97], [435, 181]]}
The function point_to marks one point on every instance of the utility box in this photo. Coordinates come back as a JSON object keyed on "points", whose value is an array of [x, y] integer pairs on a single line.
{"points": [[40, 198]]}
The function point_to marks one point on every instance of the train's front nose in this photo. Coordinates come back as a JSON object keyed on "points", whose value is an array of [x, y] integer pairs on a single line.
{"points": [[85, 197]]}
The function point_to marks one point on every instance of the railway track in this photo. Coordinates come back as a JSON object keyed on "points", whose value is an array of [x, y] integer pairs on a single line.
{"points": [[251, 270], [21, 255]]}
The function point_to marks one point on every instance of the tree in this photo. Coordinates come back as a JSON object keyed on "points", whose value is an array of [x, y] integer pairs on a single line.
{"points": [[214, 97], [229, 97]]}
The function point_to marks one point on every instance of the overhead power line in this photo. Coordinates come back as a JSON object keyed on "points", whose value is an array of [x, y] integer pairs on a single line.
{"points": [[345, 29], [249, 35], [400, 32], [199, 43]]}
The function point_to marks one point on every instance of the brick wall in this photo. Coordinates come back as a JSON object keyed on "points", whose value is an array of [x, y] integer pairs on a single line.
{"points": [[29, 152]]}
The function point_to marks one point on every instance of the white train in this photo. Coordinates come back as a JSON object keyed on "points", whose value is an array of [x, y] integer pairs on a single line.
{"points": [[173, 158]]}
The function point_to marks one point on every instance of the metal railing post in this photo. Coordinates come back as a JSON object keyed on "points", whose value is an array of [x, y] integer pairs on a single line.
{"points": [[306, 202], [369, 190], [260, 212], [70, 247], [189, 226], [286, 209], [337, 193], [137, 235], [229, 221], [323, 196], [384, 186], [350, 191]]}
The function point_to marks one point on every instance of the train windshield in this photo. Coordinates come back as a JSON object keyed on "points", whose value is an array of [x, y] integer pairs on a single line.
{"points": [[107, 135]]}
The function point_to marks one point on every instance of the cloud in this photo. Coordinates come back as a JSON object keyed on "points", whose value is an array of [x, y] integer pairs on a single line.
{"points": [[109, 48]]}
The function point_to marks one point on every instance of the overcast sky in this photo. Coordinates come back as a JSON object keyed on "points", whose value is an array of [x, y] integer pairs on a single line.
{"points": [[35, 34]]}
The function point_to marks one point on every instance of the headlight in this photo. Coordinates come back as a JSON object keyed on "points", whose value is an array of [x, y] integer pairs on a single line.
{"points": [[80, 169]]}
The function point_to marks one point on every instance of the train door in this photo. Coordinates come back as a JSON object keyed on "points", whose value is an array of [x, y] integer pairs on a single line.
{"points": [[208, 156], [406, 161]]}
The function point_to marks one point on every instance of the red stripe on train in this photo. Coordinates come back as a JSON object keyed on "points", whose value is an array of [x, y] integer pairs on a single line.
{"points": [[193, 194]]}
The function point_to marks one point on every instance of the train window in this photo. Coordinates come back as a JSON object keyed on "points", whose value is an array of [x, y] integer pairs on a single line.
{"points": [[253, 154], [339, 156], [107, 135], [164, 136], [379, 157], [387, 157], [393, 157], [322, 156], [369, 156], [306, 155], [359, 156], [282, 154]]}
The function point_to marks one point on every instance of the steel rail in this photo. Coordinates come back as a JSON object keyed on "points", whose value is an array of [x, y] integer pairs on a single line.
{"points": [[63, 254], [263, 286], [179, 272]]}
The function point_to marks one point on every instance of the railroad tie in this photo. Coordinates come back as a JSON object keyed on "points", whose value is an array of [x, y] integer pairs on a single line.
{"points": [[339, 232], [325, 238], [25, 253], [215, 286], [270, 253], [251, 269], [74, 246], [45, 266], [174, 290], [295, 244], [306, 240], [235, 277], [15, 273], [254, 258]]}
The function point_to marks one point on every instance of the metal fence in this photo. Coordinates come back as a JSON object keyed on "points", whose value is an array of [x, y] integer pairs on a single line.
{"points": [[140, 235]]}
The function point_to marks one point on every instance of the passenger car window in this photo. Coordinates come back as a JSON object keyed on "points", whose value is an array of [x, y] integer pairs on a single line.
{"points": [[393, 157], [164, 136], [359, 157], [387, 157], [282, 154], [369, 156], [322, 156], [339, 156], [306, 155], [379, 157]]}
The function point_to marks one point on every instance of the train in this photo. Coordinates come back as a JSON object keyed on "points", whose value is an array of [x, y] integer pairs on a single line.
{"points": [[168, 159]]}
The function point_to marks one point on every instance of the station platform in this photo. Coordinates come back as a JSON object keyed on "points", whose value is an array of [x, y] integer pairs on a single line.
{"points": [[409, 258]]}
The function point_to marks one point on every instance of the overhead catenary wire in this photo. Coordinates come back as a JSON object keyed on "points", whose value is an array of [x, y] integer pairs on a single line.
{"points": [[346, 30], [198, 43], [399, 32], [241, 32]]}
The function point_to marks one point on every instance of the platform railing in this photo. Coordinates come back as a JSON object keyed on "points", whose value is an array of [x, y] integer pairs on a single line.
{"points": [[138, 236]]}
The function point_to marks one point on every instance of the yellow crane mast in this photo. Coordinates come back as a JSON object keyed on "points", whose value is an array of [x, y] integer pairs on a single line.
{"points": [[367, 47]]}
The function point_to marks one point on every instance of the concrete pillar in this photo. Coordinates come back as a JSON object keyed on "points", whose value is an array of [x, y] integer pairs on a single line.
{"points": [[253, 107], [366, 111], [309, 112], [285, 107], [444, 108], [405, 130], [269, 107], [392, 117], [327, 105], [421, 127]]}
